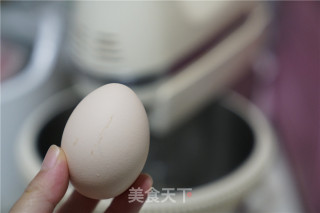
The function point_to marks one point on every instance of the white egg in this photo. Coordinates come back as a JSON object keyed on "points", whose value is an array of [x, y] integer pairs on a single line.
{"points": [[106, 141]]}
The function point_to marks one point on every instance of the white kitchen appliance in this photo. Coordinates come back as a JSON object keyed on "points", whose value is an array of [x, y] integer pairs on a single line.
{"points": [[176, 55]]}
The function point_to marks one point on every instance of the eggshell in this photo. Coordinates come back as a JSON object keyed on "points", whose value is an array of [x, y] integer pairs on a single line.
{"points": [[106, 141]]}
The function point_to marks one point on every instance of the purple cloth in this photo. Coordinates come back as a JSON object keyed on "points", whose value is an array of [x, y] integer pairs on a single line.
{"points": [[286, 86], [297, 94]]}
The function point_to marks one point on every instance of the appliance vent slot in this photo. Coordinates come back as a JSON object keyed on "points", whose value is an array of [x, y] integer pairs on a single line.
{"points": [[106, 47], [102, 46]]}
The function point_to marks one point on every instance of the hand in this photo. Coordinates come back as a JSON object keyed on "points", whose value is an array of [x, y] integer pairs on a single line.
{"points": [[50, 184]]}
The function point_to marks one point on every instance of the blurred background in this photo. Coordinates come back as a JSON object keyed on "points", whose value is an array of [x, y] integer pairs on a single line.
{"points": [[232, 92]]}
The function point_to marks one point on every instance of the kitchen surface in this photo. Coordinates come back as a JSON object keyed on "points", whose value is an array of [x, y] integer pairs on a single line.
{"points": [[231, 91]]}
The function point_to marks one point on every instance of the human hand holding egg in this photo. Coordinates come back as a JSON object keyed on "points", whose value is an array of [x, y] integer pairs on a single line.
{"points": [[104, 148]]}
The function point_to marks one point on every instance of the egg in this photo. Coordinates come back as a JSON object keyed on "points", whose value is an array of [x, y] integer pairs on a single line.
{"points": [[106, 141]]}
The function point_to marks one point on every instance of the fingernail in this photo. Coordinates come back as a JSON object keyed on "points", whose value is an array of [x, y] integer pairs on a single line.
{"points": [[149, 178], [50, 158]]}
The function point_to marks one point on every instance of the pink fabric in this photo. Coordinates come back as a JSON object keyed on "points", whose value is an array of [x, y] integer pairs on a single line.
{"points": [[297, 94]]}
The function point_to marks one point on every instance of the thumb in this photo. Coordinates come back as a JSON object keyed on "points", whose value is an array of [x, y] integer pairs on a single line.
{"points": [[48, 186]]}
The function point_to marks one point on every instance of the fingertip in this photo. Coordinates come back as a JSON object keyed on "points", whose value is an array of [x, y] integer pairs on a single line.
{"points": [[144, 181], [121, 203], [147, 176]]}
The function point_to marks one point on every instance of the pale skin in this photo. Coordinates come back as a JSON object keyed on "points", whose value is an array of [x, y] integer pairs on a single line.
{"points": [[49, 186]]}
